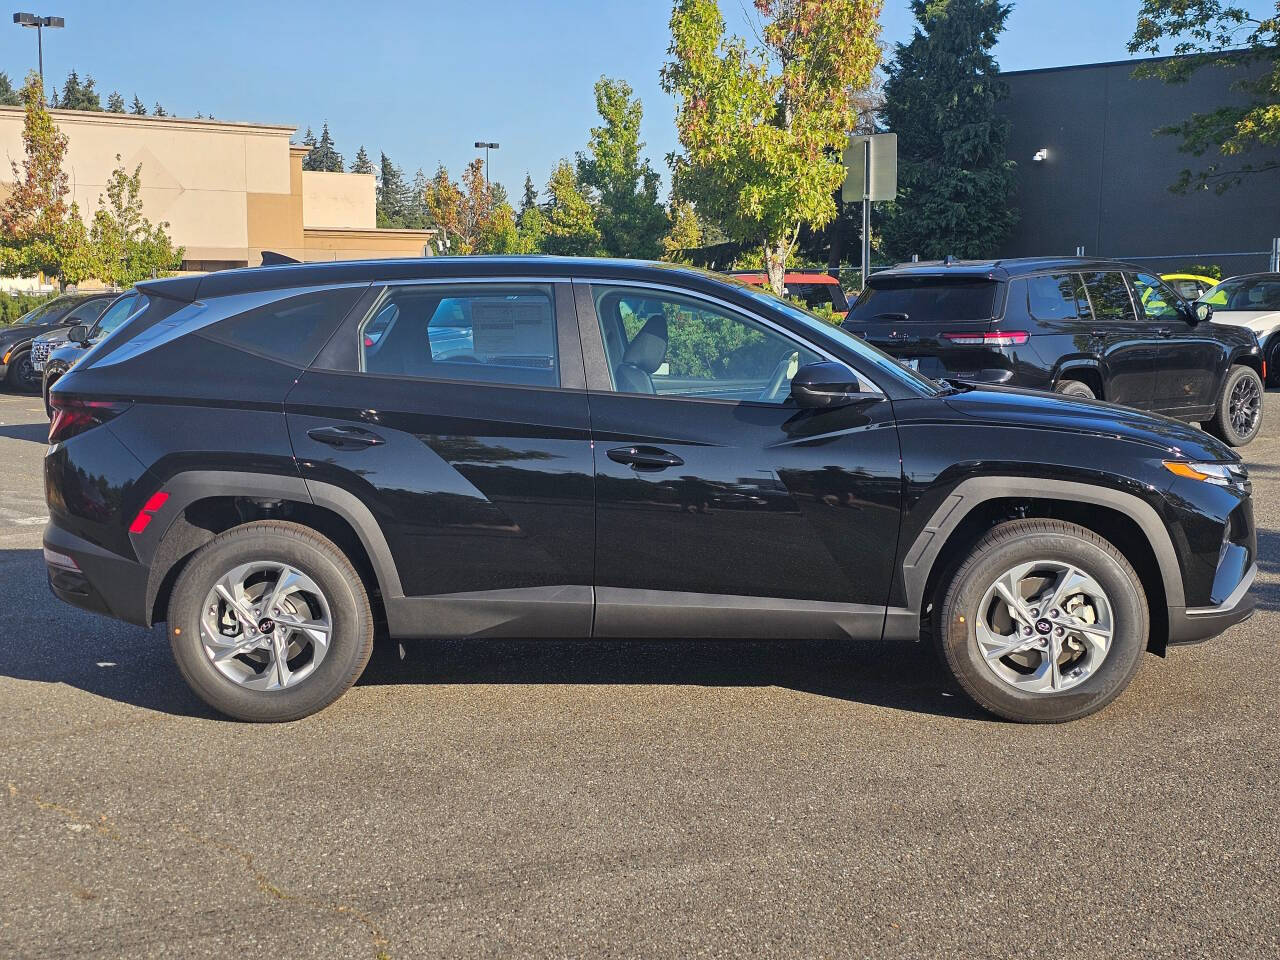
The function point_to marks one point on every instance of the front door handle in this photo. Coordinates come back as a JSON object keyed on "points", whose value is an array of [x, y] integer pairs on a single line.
{"points": [[1164, 331], [345, 438], [645, 458]]}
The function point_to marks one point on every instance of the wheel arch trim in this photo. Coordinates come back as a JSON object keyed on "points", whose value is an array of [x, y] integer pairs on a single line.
{"points": [[190, 486], [918, 561]]}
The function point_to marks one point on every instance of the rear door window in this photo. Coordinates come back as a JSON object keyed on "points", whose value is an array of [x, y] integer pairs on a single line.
{"points": [[1109, 295], [1057, 297], [925, 300], [480, 332]]}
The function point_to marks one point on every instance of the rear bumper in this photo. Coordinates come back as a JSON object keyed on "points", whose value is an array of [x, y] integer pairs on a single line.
{"points": [[98, 575], [1195, 624]]}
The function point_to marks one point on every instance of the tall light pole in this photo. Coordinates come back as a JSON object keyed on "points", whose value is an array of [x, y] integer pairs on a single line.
{"points": [[32, 20], [487, 147]]}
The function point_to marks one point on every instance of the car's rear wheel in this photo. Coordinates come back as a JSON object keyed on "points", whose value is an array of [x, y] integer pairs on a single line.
{"points": [[270, 622], [1238, 417], [1044, 622], [1273, 361], [1074, 388], [21, 376]]}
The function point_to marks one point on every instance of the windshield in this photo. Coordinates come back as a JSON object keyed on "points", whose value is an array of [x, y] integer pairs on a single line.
{"points": [[45, 313], [115, 315], [1245, 293], [877, 358]]}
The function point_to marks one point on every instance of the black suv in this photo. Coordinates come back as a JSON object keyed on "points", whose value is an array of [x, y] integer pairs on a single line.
{"points": [[1086, 328], [16, 368], [281, 461]]}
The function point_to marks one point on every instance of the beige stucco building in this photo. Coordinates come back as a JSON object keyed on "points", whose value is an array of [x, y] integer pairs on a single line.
{"points": [[228, 190]]}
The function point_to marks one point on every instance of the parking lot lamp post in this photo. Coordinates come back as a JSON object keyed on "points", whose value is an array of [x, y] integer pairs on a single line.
{"points": [[33, 20], [487, 147]]}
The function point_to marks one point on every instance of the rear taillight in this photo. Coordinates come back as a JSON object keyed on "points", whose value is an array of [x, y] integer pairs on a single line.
{"points": [[71, 416], [1011, 338]]}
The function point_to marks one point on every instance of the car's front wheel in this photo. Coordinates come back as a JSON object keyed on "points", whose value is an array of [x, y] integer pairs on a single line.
{"points": [[1075, 388], [21, 376], [1044, 622], [1237, 418], [270, 622]]}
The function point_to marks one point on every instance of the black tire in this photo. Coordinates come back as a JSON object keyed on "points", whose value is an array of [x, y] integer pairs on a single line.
{"points": [[1237, 417], [350, 643], [1003, 548], [1273, 362], [21, 376], [46, 385], [1075, 388]]}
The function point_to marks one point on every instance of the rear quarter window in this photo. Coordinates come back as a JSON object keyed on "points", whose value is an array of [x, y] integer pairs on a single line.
{"points": [[291, 330]]}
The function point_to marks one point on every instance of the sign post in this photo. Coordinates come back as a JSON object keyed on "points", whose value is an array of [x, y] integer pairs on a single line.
{"points": [[871, 173]]}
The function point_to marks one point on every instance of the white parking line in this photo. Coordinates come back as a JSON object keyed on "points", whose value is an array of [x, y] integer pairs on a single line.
{"points": [[29, 521]]}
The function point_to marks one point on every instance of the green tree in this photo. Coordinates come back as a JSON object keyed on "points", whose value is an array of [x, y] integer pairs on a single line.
{"points": [[631, 219], [159, 111], [954, 175], [529, 198], [322, 155], [418, 216], [1228, 36], [362, 163], [40, 232], [78, 95], [392, 196], [685, 232], [762, 129], [9, 97], [138, 108], [570, 228], [127, 247], [115, 102]]}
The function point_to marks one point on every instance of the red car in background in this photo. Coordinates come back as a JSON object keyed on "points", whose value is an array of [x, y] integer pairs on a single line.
{"points": [[813, 289]]}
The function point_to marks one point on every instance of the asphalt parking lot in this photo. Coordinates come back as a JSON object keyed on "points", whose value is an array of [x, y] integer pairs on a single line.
{"points": [[612, 799]]}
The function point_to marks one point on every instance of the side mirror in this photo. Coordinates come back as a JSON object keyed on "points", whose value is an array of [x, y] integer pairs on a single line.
{"points": [[79, 334], [1202, 312], [828, 384]]}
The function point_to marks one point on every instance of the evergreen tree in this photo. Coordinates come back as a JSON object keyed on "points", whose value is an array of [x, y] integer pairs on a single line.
{"points": [[138, 108], [115, 102], [159, 111], [77, 95], [530, 198], [392, 196], [570, 229], [954, 175], [362, 163], [309, 139], [9, 97], [322, 155], [419, 217], [631, 218]]}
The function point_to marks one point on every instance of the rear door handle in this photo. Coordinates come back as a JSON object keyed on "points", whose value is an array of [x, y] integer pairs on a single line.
{"points": [[1098, 334], [645, 458], [345, 438]]}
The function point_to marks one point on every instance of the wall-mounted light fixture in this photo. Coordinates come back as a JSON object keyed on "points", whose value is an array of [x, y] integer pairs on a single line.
{"points": [[1041, 155]]}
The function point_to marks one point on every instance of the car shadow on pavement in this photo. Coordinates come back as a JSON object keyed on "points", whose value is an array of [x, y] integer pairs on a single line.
{"points": [[1268, 594], [34, 432], [52, 642]]}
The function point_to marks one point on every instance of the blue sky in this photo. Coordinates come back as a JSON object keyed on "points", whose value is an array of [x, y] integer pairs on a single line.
{"points": [[423, 81]]}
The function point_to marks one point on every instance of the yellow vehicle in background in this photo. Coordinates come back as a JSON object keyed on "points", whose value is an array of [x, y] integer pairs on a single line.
{"points": [[1189, 285]]}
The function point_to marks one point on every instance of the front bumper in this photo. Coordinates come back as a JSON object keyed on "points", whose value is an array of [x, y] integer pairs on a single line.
{"points": [[99, 575], [1196, 624]]}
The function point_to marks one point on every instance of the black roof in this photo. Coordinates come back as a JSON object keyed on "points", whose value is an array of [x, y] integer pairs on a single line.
{"points": [[246, 279], [1001, 269]]}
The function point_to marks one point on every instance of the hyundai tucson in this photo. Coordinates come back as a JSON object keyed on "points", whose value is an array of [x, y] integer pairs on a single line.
{"points": [[280, 462]]}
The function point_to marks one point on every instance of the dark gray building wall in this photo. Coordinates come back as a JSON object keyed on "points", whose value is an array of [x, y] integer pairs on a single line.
{"points": [[1104, 185]]}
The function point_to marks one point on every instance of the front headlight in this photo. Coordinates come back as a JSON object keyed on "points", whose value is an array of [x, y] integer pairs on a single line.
{"points": [[1219, 474]]}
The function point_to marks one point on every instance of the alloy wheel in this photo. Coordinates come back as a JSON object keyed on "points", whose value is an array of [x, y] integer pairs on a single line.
{"points": [[1245, 406], [1044, 627], [266, 626]]}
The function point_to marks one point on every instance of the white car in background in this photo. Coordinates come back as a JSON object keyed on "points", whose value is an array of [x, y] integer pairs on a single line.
{"points": [[1253, 301]]}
